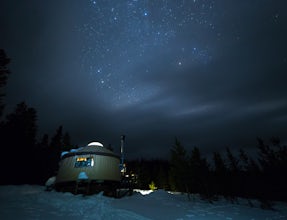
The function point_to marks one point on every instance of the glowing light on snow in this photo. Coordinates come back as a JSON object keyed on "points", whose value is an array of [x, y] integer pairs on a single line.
{"points": [[143, 192], [174, 193]]}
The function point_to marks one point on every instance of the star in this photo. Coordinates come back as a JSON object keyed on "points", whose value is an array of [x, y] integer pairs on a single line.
{"points": [[120, 41]]}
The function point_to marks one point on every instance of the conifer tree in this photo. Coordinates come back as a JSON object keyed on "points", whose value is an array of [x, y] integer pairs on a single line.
{"points": [[54, 152], [18, 135], [244, 158], [273, 160], [233, 179], [199, 172], [233, 161], [44, 143], [179, 170], [66, 145], [4, 72], [220, 174]]}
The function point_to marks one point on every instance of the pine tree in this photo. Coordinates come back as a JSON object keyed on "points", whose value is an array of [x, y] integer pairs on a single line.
{"points": [[234, 180], [179, 170], [273, 161], [233, 161], [4, 72], [244, 158], [44, 143], [54, 152], [220, 175], [199, 172], [66, 145], [18, 135]]}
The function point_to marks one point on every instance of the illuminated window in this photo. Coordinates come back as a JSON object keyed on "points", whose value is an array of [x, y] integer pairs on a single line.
{"points": [[84, 162]]}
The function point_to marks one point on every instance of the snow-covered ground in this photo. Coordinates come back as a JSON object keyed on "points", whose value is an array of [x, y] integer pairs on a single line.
{"points": [[33, 202]]}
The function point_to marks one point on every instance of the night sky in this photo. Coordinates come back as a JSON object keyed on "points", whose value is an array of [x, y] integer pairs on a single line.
{"points": [[211, 73]]}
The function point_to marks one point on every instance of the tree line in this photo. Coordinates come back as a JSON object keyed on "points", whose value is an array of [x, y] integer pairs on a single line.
{"points": [[262, 176], [24, 159]]}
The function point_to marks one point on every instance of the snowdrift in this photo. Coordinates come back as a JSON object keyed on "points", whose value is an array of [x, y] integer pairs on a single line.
{"points": [[33, 202]]}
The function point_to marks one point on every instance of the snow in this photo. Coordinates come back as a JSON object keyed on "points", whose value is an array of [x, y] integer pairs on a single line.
{"points": [[50, 182], [64, 153], [33, 202]]}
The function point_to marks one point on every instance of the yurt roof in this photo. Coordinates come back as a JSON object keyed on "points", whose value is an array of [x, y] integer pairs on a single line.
{"points": [[93, 148]]}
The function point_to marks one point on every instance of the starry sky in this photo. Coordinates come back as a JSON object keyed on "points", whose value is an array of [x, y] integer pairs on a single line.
{"points": [[212, 73]]}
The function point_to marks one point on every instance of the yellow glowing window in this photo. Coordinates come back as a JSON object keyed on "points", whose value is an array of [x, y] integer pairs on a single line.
{"points": [[84, 162], [81, 159]]}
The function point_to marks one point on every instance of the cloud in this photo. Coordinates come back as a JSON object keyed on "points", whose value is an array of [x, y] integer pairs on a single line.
{"points": [[218, 80]]}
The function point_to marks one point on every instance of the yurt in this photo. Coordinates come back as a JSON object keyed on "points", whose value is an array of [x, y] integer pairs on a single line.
{"points": [[88, 169]]}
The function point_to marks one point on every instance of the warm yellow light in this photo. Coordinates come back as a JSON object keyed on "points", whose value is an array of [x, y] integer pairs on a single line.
{"points": [[81, 159]]}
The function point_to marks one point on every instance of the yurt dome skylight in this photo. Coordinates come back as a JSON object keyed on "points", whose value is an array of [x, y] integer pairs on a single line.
{"points": [[96, 144]]}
